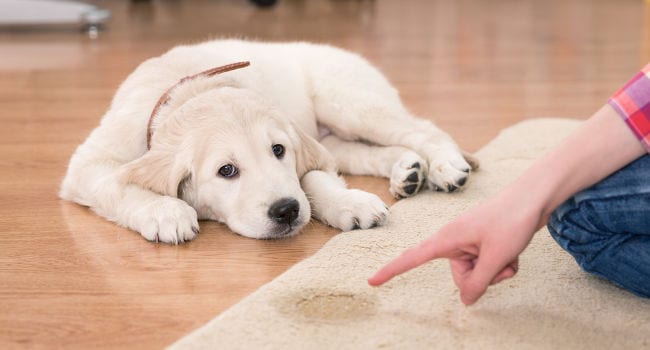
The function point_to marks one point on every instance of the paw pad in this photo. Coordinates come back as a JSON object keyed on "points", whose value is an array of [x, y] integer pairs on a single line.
{"points": [[407, 176]]}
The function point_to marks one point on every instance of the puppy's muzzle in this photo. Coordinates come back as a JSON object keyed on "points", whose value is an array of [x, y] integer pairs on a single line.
{"points": [[284, 211]]}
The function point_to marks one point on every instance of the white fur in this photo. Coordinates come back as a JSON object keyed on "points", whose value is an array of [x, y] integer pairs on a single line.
{"points": [[289, 91]]}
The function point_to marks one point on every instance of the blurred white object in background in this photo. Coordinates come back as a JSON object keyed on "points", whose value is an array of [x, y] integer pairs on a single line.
{"points": [[52, 12]]}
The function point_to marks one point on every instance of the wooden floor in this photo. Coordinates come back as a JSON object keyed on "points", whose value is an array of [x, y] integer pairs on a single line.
{"points": [[69, 279]]}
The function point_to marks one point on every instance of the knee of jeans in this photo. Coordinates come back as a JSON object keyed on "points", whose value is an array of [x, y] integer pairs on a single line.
{"points": [[572, 227]]}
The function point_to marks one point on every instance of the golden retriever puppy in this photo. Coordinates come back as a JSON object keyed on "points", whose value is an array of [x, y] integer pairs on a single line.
{"points": [[191, 136]]}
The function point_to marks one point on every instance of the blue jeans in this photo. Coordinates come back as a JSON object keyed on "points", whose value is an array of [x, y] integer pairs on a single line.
{"points": [[607, 227]]}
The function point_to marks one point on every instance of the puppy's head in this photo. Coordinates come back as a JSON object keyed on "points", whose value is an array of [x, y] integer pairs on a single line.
{"points": [[235, 159]]}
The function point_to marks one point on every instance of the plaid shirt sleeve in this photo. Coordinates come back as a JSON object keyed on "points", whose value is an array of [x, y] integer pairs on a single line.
{"points": [[632, 102]]}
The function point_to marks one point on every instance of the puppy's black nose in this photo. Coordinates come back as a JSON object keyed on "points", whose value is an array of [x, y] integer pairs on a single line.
{"points": [[284, 211]]}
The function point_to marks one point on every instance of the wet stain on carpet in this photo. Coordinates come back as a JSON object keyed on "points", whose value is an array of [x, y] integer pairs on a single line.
{"points": [[323, 305]]}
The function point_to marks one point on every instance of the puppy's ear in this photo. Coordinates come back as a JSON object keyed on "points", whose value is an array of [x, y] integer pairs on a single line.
{"points": [[158, 171], [310, 154]]}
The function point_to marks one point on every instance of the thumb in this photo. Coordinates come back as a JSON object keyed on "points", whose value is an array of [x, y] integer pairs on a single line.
{"points": [[474, 285]]}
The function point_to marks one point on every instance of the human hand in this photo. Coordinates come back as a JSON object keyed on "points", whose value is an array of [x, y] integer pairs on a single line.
{"points": [[482, 246]]}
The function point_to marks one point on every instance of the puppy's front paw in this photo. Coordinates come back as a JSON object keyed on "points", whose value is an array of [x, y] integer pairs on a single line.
{"points": [[448, 171], [408, 175], [355, 209], [166, 219]]}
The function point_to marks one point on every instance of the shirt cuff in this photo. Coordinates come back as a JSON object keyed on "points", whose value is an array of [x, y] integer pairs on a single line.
{"points": [[632, 102]]}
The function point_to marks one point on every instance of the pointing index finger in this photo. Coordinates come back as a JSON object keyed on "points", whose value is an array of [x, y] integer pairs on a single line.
{"points": [[428, 249]]}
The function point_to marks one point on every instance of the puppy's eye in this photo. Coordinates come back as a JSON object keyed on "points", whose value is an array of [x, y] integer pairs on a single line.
{"points": [[278, 150], [228, 171]]}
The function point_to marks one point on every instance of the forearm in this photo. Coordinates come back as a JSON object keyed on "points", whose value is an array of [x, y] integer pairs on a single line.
{"points": [[602, 145]]}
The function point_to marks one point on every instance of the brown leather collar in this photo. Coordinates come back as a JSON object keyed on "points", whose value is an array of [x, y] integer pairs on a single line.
{"points": [[167, 95]]}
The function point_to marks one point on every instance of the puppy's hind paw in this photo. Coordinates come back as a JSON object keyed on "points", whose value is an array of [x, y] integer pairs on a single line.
{"points": [[408, 175], [449, 171]]}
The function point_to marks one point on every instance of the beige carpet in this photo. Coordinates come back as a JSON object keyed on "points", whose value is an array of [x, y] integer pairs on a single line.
{"points": [[325, 303]]}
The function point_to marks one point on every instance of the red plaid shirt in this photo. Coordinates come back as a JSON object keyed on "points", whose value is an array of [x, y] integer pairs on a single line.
{"points": [[632, 102]]}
